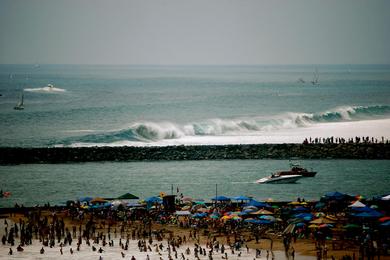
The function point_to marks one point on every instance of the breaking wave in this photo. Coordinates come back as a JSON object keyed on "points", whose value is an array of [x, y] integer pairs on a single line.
{"points": [[155, 131]]}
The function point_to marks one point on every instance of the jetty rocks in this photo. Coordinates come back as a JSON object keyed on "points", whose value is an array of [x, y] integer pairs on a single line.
{"points": [[15, 155]]}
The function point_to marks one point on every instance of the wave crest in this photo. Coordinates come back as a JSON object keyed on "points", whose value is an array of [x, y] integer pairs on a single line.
{"points": [[155, 131]]}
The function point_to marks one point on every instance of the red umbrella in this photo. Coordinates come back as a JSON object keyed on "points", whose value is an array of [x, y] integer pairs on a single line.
{"points": [[383, 219]]}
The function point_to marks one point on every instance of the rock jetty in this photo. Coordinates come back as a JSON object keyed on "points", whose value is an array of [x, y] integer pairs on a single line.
{"points": [[14, 155]]}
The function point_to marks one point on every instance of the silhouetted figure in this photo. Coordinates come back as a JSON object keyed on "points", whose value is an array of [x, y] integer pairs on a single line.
{"points": [[42, 251]]}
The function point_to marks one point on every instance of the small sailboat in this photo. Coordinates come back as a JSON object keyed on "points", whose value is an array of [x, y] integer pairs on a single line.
{"points": [[315, 80], [20, 105]]}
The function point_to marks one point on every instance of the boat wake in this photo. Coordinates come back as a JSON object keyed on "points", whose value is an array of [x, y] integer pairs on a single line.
{"points": [[48, 89], [238, 130]]}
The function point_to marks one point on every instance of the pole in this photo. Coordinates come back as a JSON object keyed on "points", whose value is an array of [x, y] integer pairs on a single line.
{"points": [[216, 194]]}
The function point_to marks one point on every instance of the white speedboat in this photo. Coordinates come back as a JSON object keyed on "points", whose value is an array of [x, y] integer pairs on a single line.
{"points": [[280, 179]]}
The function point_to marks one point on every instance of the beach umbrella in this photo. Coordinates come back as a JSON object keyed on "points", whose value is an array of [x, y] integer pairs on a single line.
{"points": [[241, 198], [226, 217], [187, 199], [202, 210], [351, 226], [262, 212], [182, 213], [300, 209], [199, 215], [384, 219], [357, 204], [385, 224], [221, 198], [294, 203], [85, 199], [335, 195], [386, 197], [133, 204], [322, 221], [214, 216], [116, 203], [250, 208], [362, 209], [268, 217], [98, 200], [313, 226], [257, 204], [370, 214], [186, 207], [319, 205], [300, 224], [153, 200], [128, 196]]}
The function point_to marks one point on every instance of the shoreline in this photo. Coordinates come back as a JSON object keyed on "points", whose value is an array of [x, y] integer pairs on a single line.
{"points": [[19, 155]]}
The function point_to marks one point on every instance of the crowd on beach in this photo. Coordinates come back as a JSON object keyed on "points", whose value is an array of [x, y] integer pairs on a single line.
{"points": [[342, 140], [186, 229]]}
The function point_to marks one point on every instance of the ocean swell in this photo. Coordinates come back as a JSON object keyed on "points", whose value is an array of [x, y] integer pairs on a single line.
{"points": [[155, 131]]}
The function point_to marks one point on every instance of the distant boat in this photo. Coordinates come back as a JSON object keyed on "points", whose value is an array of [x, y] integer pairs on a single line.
{"points": [[20, 105], [315, 80]]}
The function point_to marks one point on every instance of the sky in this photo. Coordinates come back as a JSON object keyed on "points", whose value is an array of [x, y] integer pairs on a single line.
{"points": [[209, 32]]}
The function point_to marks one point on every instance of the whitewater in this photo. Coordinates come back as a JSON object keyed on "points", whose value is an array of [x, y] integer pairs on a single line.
{"points": [[104, 105]]}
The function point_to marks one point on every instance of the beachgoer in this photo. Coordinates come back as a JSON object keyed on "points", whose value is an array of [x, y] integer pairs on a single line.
{"points": [[42, 251], [101, 250], [20, 248], [10, 251]]}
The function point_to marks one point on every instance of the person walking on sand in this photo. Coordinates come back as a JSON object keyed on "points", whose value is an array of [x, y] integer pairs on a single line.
{"points": [[10, 252], [42, 251]]}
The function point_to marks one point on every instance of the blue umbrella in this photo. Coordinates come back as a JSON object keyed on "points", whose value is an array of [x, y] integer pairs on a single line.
{"points": [[370, 214], [221, 198], [153, 200], [258, 204], [258, 221], [199, 215], [85, 199], [335, 195], [241, 198], [385, 224]]}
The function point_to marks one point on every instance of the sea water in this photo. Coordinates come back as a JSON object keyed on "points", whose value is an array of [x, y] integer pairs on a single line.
{"points": [[33, 184], [179, 105], [173, 105]]}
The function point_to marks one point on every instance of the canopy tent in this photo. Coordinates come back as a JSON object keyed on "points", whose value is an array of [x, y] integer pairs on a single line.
{"points": [[128, 196], [357, 204]]}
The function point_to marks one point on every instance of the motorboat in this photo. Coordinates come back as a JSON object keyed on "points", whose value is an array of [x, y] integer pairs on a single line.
{"points": [[296, 169], [279, 179]]}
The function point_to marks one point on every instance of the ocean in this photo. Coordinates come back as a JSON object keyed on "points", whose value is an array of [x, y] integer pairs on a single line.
{"points": [[96, 105], [174, 105]]}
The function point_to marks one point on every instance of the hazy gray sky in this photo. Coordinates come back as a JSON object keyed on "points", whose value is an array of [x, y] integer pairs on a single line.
{"points": [[194, 31]]}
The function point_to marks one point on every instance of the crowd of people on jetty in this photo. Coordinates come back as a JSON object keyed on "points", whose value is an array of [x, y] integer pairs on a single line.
{"points": [[224, 229], [342, 140]]}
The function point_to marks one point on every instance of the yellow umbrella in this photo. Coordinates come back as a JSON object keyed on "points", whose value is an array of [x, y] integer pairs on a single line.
{"points": [[98, 200], [313, 226], [322, 221], [262, 212]]}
